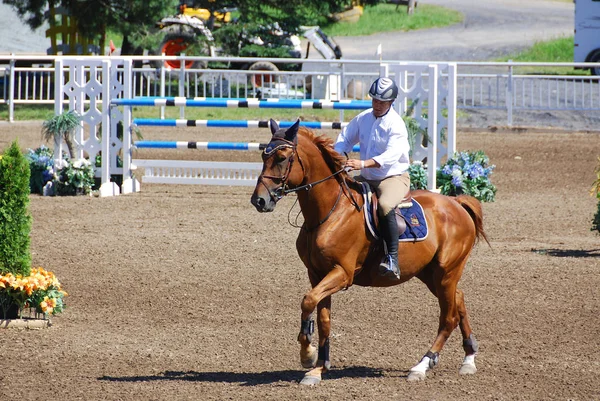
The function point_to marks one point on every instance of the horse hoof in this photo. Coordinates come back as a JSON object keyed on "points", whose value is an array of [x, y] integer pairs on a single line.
{"points": [[416, 376], [309, 380], [468, 369], [311, 359]]}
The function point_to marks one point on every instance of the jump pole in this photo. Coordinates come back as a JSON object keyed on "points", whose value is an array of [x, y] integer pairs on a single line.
{"points": [[156, 122], [250, 103], [206, 145]]}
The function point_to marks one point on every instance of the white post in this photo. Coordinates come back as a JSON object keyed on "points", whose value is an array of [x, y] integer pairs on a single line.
{"points": [[107, 188], [182, 85], [432, 128], [162, 85], [11, 92], [77, 103], [451, 104], [59, 83], [509, 96], [130, 184]]}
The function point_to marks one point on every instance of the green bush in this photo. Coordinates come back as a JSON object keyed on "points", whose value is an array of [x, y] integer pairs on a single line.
{"points": [[15, 221], [418, 176]]}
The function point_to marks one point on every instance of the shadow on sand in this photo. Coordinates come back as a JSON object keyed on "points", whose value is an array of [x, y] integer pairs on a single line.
{"points": [[254, 379], [569, 253]]}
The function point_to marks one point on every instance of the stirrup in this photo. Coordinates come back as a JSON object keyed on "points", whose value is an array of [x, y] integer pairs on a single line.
{"points": [[387, 268]]}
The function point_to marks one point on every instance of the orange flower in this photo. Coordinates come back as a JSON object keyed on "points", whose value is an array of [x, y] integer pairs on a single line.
{"points": [[48, 305]]}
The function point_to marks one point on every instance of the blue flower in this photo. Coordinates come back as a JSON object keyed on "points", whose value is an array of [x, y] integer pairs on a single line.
{"points": [[467, 173], [457, 181], [475, 170]]}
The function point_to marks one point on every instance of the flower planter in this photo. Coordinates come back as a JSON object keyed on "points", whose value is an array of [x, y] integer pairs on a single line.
{"points": [[36, 181], [12, 312], [25, 323]]}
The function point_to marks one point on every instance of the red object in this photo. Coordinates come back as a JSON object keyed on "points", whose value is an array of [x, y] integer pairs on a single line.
{"points": [[112, 47]]}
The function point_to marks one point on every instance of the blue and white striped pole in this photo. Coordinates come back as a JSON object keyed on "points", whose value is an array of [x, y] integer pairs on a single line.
{"points": [[246, 103], [206, 145], [155, 122]]}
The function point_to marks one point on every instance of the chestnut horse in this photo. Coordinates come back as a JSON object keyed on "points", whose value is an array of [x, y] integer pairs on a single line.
{"points": [[338, 250]]}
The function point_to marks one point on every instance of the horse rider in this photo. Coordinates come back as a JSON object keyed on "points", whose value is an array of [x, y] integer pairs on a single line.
{"points": [[384, 162]]}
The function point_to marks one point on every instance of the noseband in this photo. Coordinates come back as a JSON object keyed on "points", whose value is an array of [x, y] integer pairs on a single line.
{"points": [[282, 190]]}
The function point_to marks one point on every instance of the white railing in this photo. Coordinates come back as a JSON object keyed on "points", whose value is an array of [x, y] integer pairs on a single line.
{"points": [[481, 86], [198, 172]]}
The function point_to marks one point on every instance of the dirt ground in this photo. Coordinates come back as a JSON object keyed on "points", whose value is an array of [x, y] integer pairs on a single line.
{"points": [[187, 293]]}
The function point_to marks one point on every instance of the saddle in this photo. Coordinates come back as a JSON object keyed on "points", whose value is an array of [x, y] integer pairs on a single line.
{"points": [[412, 225]]}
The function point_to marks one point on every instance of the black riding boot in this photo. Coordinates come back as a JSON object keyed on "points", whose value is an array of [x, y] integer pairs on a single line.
{"points": [[389, 229]]}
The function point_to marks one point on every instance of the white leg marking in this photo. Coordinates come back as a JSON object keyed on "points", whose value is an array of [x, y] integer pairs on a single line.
{"points": [[419, 371], [468, 366]]}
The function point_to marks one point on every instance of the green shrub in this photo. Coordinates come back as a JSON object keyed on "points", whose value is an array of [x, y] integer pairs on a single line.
{"points": [[418, 176], [15, 221]]}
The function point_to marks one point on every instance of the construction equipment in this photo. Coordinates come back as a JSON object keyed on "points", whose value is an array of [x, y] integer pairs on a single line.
{"points": [[190, 32]]}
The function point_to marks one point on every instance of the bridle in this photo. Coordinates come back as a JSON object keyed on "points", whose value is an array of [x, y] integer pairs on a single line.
{"points": [[284, 189]]}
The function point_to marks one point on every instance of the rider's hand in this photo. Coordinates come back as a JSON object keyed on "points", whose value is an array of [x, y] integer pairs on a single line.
{"points": [[354, 164]]}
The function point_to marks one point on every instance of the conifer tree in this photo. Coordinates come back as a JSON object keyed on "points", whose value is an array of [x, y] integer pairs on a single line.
{"points": [[15, 221]]}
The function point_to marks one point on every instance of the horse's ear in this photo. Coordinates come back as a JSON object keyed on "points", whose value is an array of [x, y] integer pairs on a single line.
{"points": [[274, 126], [291, 133]]}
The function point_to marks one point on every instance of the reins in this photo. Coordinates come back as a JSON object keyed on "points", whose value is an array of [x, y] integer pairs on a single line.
{"points": [[308, 187], [283, 190]]}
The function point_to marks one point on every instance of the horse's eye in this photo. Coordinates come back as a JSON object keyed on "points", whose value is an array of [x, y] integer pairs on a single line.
{"points": [[279, 159]]}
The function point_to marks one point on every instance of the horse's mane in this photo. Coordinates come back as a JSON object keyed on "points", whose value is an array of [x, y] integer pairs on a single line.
{"points": [[333, 159]]}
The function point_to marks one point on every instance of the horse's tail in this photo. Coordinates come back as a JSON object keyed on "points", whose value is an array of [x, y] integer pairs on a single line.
{"points": [[473, 207]]}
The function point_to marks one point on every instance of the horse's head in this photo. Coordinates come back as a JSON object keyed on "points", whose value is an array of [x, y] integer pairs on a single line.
{"points": [[278, 161]]}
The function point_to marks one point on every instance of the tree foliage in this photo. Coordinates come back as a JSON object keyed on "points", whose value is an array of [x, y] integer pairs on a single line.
{"points": [[132, 18], [136, 19]]}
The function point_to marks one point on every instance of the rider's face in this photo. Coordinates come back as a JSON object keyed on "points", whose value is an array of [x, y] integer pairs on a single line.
{"points": [[380, 107]]}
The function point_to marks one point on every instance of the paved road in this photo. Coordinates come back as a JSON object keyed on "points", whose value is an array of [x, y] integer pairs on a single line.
{"points": [[491, 28], [17, 37]]}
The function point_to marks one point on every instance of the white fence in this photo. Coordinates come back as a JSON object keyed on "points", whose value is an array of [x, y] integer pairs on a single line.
{"points": [[480, 86]]}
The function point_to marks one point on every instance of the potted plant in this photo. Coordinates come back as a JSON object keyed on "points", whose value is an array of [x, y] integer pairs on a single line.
{"points": [[41, 166], [467, 173], [21, 286], [62, 127], [74, 177]]}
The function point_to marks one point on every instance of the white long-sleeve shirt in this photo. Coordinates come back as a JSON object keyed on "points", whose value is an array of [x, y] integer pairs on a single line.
{"points": [[383, 139]]}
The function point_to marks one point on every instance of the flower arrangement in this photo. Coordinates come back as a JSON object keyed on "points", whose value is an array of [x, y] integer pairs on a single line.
{"points": [[41, 164], [74, 178], [40, 291], [467, 173]]}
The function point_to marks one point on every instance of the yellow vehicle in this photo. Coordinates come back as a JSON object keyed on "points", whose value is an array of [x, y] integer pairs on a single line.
{"points": [[205, 15], [190, 31]]}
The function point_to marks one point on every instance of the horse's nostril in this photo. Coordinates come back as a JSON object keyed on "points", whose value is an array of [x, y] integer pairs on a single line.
{"points": [[258, 202]]}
